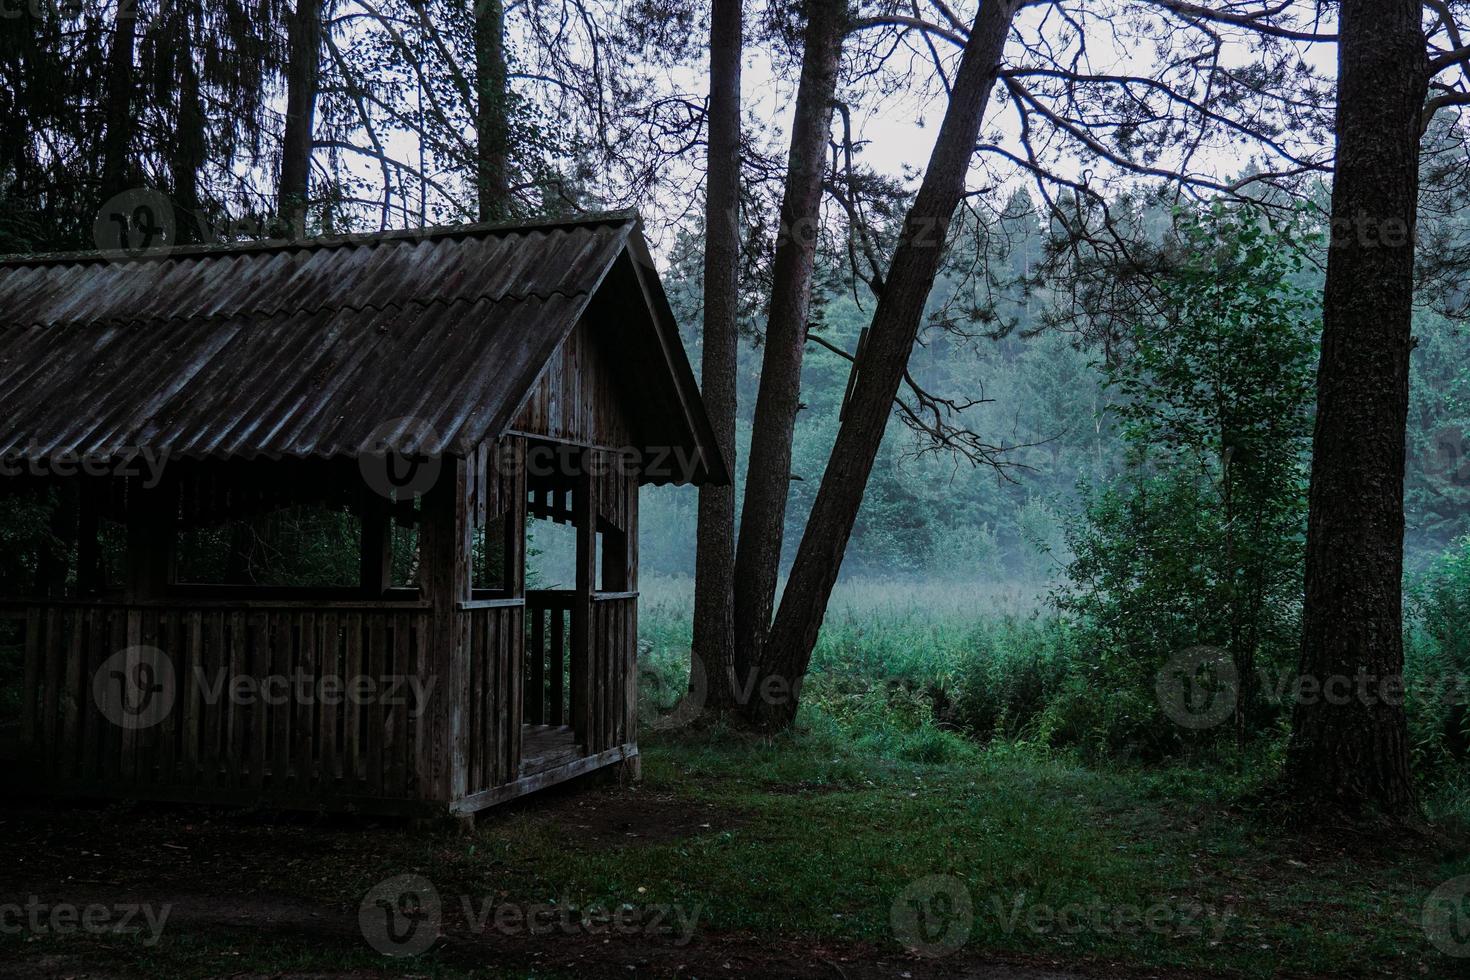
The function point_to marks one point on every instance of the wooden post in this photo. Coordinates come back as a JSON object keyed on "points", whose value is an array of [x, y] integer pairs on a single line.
{"points": [[152, 524], [513, 487], [584, 510], [445, 539], [376, 555], [90, 578]]}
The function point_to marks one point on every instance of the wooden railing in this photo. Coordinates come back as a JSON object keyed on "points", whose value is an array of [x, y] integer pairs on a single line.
{"points": [[493, 704], [548, 689], [342, 705], [614, 671], [228, 701]]}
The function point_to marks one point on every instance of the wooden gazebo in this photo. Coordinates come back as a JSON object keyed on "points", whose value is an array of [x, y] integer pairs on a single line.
{"points": [[440, 387]]}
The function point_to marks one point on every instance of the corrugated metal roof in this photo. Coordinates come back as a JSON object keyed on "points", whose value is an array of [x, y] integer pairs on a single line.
{"points": [[293, 349]]}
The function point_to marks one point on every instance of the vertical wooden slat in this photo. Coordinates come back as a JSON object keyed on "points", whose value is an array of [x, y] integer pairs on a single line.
{"points": [[330, 714], [402, 670], [215, 659], [237, 657], [170, 724], [425, 666], [93, 722], [536, 685], [306, 701], [501, 694], [72, 695], [352, 760], [513, 628], [558, 666], [376, 658], [190, 698], [259, 715], [128, 767], [51, 663]]}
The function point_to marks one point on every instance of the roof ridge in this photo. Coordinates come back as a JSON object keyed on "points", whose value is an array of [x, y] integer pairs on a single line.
{"points": [[344, 240]]}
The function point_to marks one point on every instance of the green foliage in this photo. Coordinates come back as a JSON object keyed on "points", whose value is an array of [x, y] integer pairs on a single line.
{"points": [[1199, 541], [1437, 664]]}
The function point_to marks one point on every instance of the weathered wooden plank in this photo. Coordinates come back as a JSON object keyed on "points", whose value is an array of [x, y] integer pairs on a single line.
{"points": [[72, 694], [259, 718], [352, 750], [536, 653], [329, 714], [93, 722], [128, 768], [304, 722], [213, 769], [190, 703], [397, 745], [541, 780], [238, 657], [376, 712]]}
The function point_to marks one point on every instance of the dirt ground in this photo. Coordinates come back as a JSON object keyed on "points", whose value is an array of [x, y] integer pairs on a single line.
{"points": [[258, 877]]}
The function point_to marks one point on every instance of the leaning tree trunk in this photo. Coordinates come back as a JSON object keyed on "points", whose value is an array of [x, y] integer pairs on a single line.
{"points": [[118, 113], [713, 650], [891, 338], [491, 117], [302, 74], [1349, 756], [768, 472]]}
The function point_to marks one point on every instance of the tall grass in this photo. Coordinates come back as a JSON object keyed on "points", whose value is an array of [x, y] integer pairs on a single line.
{"points": [[908, 668]]}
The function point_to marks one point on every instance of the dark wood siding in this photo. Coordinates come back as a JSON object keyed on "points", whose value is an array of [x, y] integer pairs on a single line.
{"points": [[578, 397]]}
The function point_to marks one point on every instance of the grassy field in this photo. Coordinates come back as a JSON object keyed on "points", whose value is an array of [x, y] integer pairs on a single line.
{"points": [[875, 841]]}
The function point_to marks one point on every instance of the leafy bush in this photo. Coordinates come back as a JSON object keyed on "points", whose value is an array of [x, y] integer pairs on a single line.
{"points": [[1437, 662], [1199, 541]]}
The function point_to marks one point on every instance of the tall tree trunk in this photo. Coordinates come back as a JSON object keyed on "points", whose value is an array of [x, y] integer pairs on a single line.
{"points": [[713, 652], [303, 70], [187, 158], [891, 338], [491, 112], [118, 116], [768, 472], [1349, 756]]}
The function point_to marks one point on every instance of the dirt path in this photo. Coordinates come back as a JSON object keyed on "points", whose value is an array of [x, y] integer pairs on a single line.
{"points": [[263, 917], [240, 884]]}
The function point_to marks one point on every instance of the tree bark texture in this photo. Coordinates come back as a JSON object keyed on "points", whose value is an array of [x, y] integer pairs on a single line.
{"points": [[491, 112], [1349, 755], [895, 326], [302, 74], [768, 469], [711, 672]]}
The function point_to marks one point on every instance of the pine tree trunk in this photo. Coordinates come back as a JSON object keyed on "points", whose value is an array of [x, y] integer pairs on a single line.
{"points": [[891, 338], [491, 112], [302, 73], [187, 158], [713, 653], [118, 114], [1349, 755], [768, 472]]}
